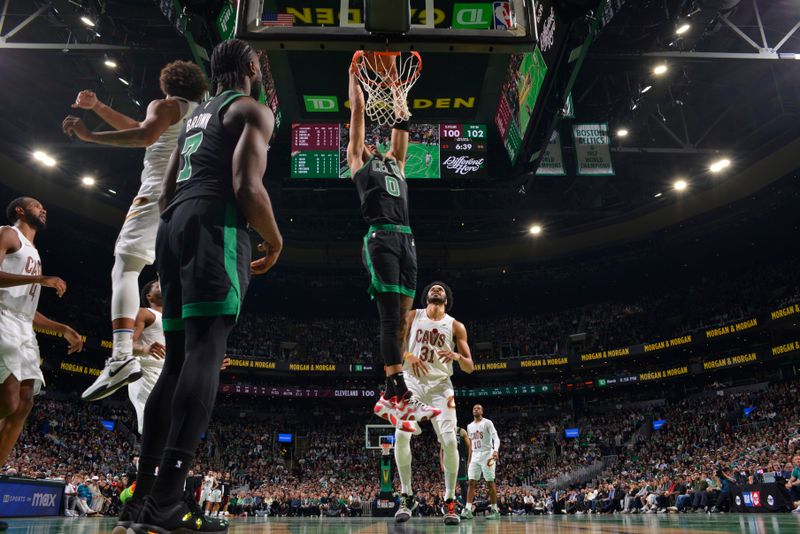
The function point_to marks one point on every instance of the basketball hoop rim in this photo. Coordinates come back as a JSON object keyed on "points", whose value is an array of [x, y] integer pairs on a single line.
{"points": [[390, 53]]}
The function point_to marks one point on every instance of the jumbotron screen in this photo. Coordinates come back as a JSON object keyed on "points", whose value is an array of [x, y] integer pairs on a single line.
{"points": [[434, 150]]}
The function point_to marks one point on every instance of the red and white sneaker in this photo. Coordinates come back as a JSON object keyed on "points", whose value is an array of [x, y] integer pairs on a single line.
{"points": [[409, 408], [386, 409]]}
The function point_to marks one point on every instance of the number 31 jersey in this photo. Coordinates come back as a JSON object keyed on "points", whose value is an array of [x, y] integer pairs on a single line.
{"points": [[426, 338]]}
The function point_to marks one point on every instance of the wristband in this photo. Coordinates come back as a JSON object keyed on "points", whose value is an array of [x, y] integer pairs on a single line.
{"points": [[402, 125]]}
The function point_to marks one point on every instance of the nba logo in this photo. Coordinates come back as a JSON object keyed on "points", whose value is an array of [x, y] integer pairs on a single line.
{"points": [[502, 16], [756, 496], [748, 501]]}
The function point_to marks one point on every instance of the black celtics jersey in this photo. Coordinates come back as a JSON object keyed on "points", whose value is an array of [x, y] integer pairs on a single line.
{"points": [[463, 453], [206, 153], [383, 192]]}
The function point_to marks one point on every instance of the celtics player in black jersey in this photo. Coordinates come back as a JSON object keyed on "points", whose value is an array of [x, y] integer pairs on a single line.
{"points": [[388, 253], [212, 190]]}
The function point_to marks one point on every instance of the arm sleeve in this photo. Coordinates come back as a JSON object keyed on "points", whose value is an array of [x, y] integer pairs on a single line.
{"points": [[495, 437]]}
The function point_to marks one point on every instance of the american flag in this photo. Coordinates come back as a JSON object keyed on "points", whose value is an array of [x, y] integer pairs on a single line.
{"points": [[277, 19]]}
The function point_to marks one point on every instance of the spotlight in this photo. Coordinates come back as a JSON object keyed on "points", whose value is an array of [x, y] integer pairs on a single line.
{"points": [[112, 191], [657, 195], [44, 158], [123, 80], [680, 185], [622, 132], [110, 63], [660, 69], [683, 28], [647, 88], [87, 180], [535, 229], [717, 166], [87, 21]]}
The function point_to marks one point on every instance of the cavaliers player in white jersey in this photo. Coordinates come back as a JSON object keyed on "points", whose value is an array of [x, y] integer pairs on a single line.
{"points": [[183, 85], [435, 341], [485, 448], [149, 347], [21, 280]]}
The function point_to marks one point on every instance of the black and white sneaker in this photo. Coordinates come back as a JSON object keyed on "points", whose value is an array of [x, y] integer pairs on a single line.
{"points": [[178, 517], [117, 373], [403, 513]]}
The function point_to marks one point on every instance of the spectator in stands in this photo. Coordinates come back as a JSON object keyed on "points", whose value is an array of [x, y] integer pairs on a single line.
{"points": [[793, 484]]}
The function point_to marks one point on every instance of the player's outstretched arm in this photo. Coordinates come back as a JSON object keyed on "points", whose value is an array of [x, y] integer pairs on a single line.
{"points": [[74, 340], [88, 100], [462, 346], [161, 114], [355, 146], [399, 146], [169, 181], [9, 243], [249, 167]]}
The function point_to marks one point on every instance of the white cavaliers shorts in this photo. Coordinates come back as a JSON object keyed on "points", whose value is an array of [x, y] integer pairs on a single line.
{"points": [[140, 390], [216, 496], [138, 234], [481, 466], [440, 395], [19, 350]]}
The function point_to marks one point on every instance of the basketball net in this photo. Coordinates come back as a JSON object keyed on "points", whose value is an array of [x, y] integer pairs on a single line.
{"points": [[386, 449], [387, 77]]}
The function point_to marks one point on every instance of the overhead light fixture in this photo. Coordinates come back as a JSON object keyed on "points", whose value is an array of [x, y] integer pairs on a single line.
{"points": [[110, 63], [123, 80], [622, 132], [657, 195], [797, 56], [680, 185], [87, 180], [112, 191], [717, 166], [646, 88], [660, 69], [535, 229], [44, 158], [683, 28], [87, 21]]}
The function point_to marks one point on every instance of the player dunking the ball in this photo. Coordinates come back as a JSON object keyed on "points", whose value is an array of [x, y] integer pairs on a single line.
{"points": [[435, 341], [183, 85], [485, 447], [388, 252], [212, 190]]}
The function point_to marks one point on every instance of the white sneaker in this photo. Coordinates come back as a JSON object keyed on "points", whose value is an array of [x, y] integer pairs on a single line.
{"points": [[403, 513], [118, 372], [409, 408]]}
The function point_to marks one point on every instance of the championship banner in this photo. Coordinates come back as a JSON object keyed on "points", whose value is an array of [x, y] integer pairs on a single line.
{"points": [[592, 149], [761, 498], [552, 162]]}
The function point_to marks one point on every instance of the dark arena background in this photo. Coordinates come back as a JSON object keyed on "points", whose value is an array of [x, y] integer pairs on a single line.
{"points": [[611, 188]]}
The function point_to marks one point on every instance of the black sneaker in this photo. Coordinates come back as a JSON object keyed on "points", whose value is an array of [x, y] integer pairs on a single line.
{"points": [[3, 526], [176, 517], [127, 516]]}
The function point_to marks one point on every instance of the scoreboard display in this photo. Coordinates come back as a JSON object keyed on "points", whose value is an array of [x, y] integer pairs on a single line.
{"points": [[463, 149], [434, 150]]}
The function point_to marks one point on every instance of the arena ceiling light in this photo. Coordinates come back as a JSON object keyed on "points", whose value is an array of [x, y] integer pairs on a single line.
{"points": [[622, 132], [86, 20], [657, 195], [112, 191], [44, 158], [87, 181], [646, 88], [123, 80], [683, 28], [680, 185], [535, 229], [718, 166], [110, 63], [658, 70]]}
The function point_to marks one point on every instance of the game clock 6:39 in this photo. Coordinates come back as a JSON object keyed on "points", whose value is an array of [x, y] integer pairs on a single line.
{"points": [[463, 149]]}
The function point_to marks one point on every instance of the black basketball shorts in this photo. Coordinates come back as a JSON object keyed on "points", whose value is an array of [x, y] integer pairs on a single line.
{"points": [[390, 257], [203, 252]]}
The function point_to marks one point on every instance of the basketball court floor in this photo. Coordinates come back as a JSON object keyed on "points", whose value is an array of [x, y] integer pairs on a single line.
{"points": [[741, 523]]}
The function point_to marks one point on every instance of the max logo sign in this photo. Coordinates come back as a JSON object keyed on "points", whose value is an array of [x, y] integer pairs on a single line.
{"points": [[44, 499]]}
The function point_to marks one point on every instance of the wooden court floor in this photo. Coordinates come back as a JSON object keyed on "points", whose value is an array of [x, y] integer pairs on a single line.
{"points": [[745, 524]]}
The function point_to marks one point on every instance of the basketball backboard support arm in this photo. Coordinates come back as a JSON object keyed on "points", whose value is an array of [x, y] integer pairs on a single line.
{"points": [[348, 35]]}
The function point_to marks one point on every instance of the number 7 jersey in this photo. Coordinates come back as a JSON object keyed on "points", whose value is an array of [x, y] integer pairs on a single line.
{"points": [[205, 166], [426, 338]]}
